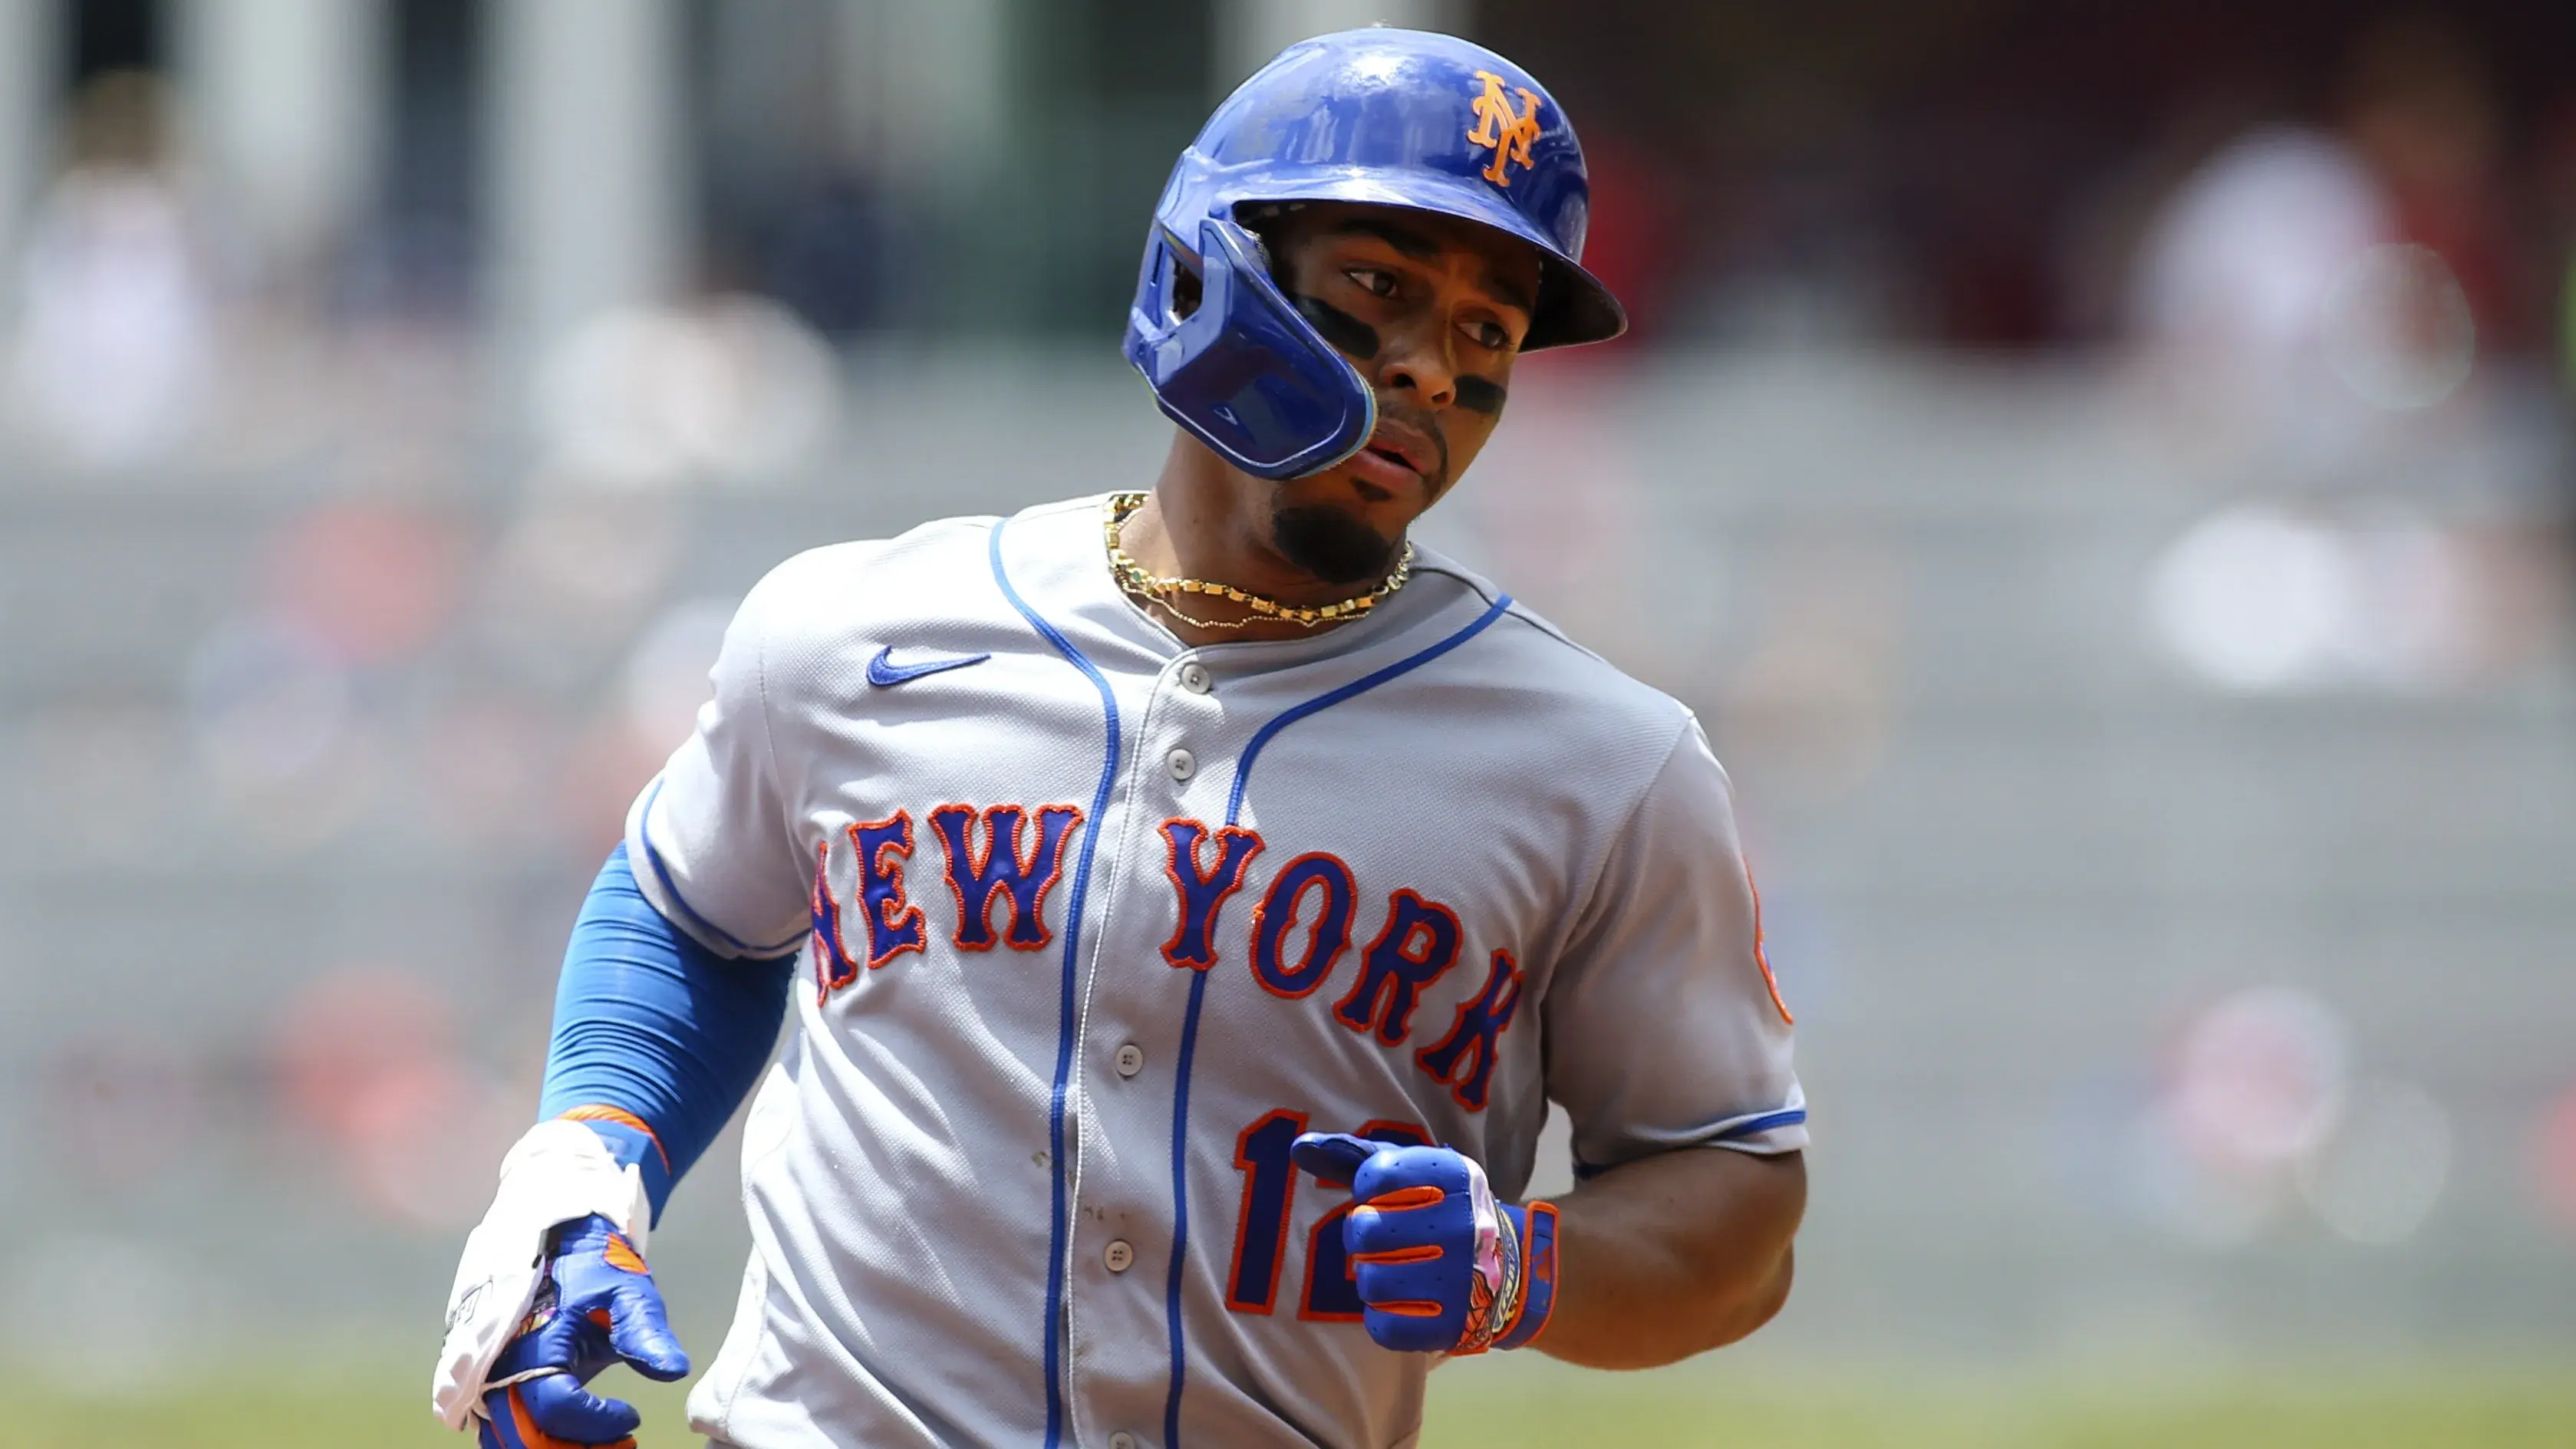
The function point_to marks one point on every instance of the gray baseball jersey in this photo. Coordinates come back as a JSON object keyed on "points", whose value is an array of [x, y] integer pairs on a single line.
{"points": [[1098, 922]]}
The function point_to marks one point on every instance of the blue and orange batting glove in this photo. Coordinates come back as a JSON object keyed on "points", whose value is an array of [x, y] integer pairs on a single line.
{"points": [[596, 1307], [1441, 1267]]}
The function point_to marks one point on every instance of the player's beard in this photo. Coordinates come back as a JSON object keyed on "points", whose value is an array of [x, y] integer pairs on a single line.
{"points": [[1331, 544]]}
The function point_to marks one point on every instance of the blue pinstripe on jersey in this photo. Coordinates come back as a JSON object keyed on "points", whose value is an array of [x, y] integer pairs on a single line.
{"points": [[1056, 1220], [1198, 990]]}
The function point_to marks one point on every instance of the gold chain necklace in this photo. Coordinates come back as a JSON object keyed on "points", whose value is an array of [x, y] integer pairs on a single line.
{"points": [[1152, 590]]}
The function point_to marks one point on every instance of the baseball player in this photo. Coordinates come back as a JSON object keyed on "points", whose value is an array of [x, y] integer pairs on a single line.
{"points": [[1190, 900]]}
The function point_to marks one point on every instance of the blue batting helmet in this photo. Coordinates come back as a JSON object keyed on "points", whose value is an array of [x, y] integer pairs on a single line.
{"points": [[1398, 118]]}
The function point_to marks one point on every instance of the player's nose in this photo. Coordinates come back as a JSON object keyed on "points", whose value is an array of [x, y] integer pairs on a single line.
{"points": [[1417, 361]]}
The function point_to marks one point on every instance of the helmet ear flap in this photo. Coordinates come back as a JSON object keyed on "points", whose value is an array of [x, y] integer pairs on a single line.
{"points": [[1240, 369]]}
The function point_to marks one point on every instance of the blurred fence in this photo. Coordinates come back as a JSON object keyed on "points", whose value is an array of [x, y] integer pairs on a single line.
{"points": [[2170, 851]]}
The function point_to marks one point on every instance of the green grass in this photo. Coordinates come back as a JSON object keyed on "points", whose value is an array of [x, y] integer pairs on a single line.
{"points": [[1498, 1404], [2410, 1408]]}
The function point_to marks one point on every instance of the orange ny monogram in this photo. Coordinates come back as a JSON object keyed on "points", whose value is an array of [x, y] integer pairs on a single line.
{"points": [[1509, 132]]}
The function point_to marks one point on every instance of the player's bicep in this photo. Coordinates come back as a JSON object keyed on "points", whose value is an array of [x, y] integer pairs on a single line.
{"points": [[1664, 1026], [710, 837]]}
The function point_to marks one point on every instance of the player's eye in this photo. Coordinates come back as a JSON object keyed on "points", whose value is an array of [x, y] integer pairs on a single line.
{"points": [[1487, 335], [1373, 281]]}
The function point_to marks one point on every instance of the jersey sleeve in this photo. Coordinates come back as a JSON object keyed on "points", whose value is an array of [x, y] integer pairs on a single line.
{"points": [[1664, 1027], [711, 838]]}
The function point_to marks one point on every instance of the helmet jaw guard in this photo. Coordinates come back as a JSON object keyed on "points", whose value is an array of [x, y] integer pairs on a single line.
{"points": [[1243, 372]]}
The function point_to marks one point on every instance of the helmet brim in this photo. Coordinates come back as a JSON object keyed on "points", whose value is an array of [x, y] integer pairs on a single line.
{"points": [[1574, 306]]}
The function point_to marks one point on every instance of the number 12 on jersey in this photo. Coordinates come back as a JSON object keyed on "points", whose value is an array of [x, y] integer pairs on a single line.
{"points": [[1261, 1154]]}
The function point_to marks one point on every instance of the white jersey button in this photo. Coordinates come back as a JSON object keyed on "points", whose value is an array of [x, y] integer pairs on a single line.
{"points": [[1131, 1059], [1122, 1440], [1119, 1256], [1183, 764], [1194, 677]]}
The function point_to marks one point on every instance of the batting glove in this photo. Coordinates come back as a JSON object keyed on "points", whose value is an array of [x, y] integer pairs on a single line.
{"points": [[597, 1307], [559, 1175], [1441, 1267]]}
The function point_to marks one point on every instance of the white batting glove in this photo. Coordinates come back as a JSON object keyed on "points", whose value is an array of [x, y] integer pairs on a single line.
{"points": [[556, 1174]]}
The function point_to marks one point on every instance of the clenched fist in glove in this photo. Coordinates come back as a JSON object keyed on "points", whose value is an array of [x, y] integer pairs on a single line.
{"points": [[1440, 1265], [596, 1308], [553, 1289]]}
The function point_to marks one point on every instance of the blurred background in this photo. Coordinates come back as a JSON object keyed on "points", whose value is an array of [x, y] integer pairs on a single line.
{"points": [[2103, 472]]}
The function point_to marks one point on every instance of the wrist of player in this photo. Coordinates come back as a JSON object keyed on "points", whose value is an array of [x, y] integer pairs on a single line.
{"points": [[1534, 1227], [1440, 1265]]}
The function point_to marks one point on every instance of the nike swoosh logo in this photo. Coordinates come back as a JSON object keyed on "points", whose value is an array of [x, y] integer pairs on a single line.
{"points": [[884, 673]]}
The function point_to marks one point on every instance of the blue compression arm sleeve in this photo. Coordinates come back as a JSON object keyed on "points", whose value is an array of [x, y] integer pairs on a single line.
{"points": [[657, 1038]]}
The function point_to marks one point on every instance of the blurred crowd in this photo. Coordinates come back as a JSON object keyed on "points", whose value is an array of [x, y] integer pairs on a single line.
{"points": [[2030, 176], [2286, 210], [2003, 176]]}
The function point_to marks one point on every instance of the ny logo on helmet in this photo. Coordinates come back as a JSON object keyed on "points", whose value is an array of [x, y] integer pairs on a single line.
{"points": [[1509, 132]]}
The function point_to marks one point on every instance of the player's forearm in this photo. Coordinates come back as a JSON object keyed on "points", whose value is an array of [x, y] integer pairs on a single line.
{"points": [[664, 1034], [1673, 1255]]}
